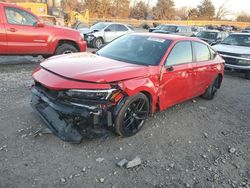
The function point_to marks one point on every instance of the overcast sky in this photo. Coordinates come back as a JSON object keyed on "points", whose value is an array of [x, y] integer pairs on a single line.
{"points": [[236, 6]]}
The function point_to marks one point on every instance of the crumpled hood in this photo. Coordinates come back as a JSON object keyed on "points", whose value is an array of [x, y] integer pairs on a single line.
{"points": [[92, 68], [232, 49], [87, 30]]}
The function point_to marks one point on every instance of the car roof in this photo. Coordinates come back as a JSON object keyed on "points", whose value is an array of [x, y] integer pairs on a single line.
{"points": [[113, 23], [168, 36]]}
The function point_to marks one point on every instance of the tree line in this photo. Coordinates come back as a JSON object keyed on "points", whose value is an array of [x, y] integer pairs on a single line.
{"points": [[141, 9]]}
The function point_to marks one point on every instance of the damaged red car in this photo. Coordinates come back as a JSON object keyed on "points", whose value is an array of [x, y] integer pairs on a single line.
{"points": [[119, 86]]}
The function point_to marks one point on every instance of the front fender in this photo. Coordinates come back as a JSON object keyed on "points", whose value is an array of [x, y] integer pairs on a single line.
{"points": [[137, 85]]}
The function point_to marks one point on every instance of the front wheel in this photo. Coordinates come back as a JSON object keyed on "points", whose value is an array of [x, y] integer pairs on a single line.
{"points": [[132, 116], [98, 42], [212, 89], [65, 49]]}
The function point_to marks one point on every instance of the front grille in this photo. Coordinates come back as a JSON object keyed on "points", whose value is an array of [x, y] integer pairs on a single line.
{"points": [[234, 61], [53, 94], [227, 53]]}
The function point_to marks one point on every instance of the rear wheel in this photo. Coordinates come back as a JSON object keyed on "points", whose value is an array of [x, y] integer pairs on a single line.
{"points": [[132, 116], [247, 74], [212, 89], [65, 49]]}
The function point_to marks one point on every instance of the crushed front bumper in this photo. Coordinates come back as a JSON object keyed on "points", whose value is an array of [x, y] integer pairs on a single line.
{"points": [[71, 122]]}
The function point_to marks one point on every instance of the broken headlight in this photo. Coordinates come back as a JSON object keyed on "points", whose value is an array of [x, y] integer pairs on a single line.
{"points": [[91, 94]]}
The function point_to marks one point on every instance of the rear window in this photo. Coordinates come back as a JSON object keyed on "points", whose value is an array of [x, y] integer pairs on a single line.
{"points": [[202, 51]]}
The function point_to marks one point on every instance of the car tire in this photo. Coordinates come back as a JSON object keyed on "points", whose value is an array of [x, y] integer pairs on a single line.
{"points": [[66, 49], [132, 115], [247, 74], [98, 42], [212, 89]]}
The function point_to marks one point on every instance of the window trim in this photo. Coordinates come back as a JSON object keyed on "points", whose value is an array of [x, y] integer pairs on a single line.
{"points": [[122, 26], [165, 61], [195, 53], [4, 12]]}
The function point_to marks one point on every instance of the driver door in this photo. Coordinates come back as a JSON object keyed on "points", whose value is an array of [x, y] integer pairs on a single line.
{"points": [[110, 33], [23, 36]]}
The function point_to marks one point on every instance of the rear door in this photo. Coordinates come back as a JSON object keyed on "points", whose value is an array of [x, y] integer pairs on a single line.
{"points": [[23, 36], [177, 75], [204, 67], [3, 37]]}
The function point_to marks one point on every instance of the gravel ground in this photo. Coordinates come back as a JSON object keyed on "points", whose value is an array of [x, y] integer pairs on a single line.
{"points": [[198, 143]]}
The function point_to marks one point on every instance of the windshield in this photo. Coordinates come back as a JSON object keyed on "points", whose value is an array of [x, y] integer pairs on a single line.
{"points": [[207, 35], [99, 26], [135, 49], [237, 40], [170, 28]]}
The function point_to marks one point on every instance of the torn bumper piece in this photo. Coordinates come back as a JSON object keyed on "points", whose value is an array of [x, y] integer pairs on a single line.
{"points": [[69, 122]]}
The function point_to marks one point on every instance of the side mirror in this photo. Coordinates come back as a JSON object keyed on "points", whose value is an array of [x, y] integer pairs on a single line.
{"points": [[107, 30], [39, 24], [169, 68]]}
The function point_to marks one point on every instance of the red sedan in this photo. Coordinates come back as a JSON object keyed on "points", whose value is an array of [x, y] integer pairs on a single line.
{"points": [[124, 82]]}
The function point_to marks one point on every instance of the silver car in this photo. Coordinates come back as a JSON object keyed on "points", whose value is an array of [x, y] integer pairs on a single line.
{"points": [[235, 49], [104, 32]]}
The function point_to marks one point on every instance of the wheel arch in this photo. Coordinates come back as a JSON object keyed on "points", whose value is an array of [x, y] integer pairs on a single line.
{"points": [[65, 41], [220, 77]]}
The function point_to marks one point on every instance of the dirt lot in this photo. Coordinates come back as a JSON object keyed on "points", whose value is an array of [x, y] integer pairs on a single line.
{"points": [[199, 143]]}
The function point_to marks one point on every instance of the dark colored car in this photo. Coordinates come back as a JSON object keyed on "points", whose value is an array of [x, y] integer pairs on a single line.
{"points": [[123, 83], [212, 37], [235, 49], [173, 29]]}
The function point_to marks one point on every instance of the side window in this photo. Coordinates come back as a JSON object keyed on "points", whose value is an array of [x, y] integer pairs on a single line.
{"points": [[180, 54], [111, 28], [202, 51], [19, 17], [121, 28]]}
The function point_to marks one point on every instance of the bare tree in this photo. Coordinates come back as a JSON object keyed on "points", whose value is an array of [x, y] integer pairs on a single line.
{"points": [[164, 9], [206, 10], [139, 10], [182, 13], [222, 11]]}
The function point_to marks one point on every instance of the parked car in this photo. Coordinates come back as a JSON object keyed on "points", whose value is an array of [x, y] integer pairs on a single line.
{"points": [[212, 37], [125, 81], [173, 29], [235, 49], [246, 30], [22, 32], [105, 32], [197, 29]]}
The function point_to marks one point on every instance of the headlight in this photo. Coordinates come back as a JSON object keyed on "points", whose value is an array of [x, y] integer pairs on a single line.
{"points": [[90, 36], [91, 94]]}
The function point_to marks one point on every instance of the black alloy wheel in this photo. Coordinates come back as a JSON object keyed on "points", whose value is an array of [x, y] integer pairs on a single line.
{"points": [[132, 116]]}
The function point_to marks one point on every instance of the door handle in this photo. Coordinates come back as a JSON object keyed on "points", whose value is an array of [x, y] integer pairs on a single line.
{"points": [[12, 29]]}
